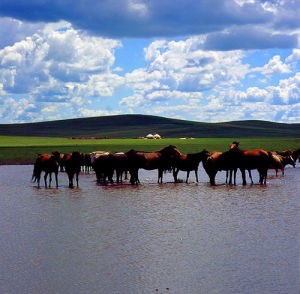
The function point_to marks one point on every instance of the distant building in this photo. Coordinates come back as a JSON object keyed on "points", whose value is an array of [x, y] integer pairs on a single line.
{"points": [[150, 136]]}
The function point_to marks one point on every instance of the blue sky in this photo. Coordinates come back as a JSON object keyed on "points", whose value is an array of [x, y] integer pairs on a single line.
{"points": [[204, 60]]}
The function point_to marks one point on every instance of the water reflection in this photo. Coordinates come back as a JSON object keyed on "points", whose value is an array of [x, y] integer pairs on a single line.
{"points": [[168, 238]]}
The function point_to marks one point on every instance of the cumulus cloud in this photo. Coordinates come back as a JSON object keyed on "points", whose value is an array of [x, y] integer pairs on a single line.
{"points": [[13, 30], [274, 67], [56, 65], [182, 70], [182, 80]]}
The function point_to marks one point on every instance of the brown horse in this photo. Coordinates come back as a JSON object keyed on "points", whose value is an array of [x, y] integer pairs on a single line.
{"points": [[161, 160], [280, 161], [189, 162], [295, 154], [73, 166], [47, 163], [255, 159], [231, 160]]}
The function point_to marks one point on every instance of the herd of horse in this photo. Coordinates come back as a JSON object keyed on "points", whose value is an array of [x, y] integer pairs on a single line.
{"points": [[107, 164]]}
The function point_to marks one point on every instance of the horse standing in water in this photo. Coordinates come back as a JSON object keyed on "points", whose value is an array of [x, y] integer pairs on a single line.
{"points": [[49, 164], [162, 160], [103, 165], [73, 166], [189, 162], [280, 161]]}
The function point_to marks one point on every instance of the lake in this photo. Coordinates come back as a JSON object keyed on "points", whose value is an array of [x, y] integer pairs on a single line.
{"points": [[167, 238]]}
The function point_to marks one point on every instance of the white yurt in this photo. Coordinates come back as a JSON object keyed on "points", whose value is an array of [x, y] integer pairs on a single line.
{"points": [[150, 136], [157, 136]]}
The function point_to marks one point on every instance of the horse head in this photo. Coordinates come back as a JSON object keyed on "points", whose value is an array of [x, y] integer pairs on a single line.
{"points": [[289, 160], [234, 145], [170, 151]]}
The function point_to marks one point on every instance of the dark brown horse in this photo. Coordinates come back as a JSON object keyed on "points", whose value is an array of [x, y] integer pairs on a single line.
{"points": [[103, 165], [189, 162], [48, 163], [121, 164], [73, 166], [162, 160]]}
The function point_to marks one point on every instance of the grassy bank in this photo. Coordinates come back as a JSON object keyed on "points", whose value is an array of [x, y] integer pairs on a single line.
{"points": [[23, 150]]}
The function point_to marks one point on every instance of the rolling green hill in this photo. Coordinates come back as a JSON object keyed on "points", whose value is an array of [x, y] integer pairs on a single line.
{"points": [[132, 126]]}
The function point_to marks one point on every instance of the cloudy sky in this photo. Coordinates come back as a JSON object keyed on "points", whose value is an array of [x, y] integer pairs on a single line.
{"points": [[203, 60]]}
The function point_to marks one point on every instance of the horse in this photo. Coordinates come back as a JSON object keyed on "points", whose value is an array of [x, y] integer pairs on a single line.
{"points": [[211, 166], [86, 162], [294, 153], [48, 163], [255, 159], [103, 165], [189, 162], [163, 160], [280, 161], [121, 165], [73, 166], [231, 160]]}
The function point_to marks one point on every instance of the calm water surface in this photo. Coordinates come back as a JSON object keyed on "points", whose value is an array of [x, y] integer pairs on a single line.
{"points": [[168, 238]]}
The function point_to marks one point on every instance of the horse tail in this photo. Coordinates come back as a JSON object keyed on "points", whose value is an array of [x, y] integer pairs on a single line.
{"points": [[36, 172]]}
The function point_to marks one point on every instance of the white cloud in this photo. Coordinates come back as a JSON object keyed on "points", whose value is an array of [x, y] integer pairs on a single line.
{"points": [[55, 65], [274, 67], [295, 56]]}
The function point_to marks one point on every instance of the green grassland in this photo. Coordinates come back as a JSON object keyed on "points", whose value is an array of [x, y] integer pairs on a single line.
{"points": [[23, 149]]}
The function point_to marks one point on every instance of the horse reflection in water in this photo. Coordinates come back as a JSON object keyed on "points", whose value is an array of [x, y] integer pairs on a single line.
{"points": [[162, 160]]}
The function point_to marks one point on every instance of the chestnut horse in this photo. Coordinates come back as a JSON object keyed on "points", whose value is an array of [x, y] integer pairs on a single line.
{"points": [[189, 162], [73, 166], [244, 160], [162, 160], [47, 163]]}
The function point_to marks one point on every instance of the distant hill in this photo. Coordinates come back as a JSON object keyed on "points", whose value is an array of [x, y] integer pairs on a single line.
{"points": [[132, 126]]}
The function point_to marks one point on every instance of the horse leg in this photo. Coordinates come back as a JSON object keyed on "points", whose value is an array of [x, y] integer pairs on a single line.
{"points": [[250, 176], [45, 179], [160, 176], [77, 182], [234, 176], [38, 179], [187, 176], [196, 175], [212, 176], [56, 180], [227, 175], [70, 176], [230, 177], [175, 173], [50, 179], [243, 176]]}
